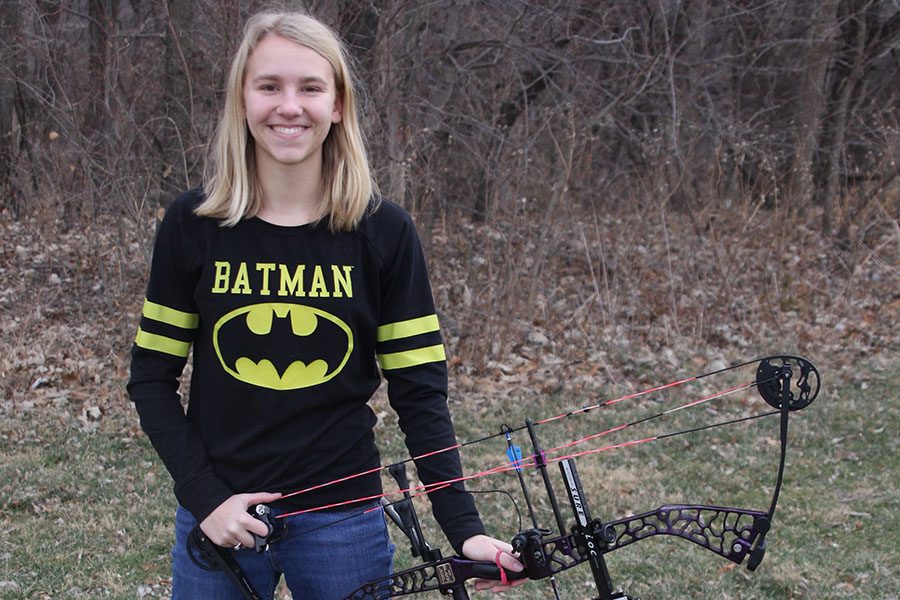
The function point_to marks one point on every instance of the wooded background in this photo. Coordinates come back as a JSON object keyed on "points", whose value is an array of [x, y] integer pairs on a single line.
{"points": [[612, 194], [475, 107], [584, 174]]}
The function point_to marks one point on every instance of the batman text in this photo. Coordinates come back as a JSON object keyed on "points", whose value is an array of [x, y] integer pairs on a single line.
{"points": [[267, 279]]}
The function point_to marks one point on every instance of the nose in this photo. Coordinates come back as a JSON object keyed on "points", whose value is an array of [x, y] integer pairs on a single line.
{"points": [[290, 105]]}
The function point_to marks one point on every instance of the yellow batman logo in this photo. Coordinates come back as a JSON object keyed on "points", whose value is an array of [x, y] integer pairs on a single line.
{"points": [[282, 346]]}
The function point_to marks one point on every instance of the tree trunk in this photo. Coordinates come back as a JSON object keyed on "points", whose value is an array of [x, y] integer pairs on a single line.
{"points": [[391, 87], [535, 81], [835, 165], [177, 132], [9, 31], [810, 105], [96, 119]]}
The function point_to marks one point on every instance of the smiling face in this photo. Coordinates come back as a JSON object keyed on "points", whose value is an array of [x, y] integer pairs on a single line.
{"points": [[291, 102]]}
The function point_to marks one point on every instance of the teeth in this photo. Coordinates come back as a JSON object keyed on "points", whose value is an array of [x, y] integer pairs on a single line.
{"points": [[288, 130]]}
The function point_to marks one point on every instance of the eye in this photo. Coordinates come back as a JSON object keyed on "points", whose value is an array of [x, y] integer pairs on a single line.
{"points": [[268, 87]]}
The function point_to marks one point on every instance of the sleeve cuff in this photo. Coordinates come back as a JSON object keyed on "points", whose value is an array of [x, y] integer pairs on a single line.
{"points": [[201, 497], [455, 511], [464, 530]]}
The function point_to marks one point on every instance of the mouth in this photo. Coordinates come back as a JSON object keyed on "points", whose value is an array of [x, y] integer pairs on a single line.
{"points": [[288, 129]]}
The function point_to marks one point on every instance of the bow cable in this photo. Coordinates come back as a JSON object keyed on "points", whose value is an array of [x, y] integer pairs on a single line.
{"points": [[531, 461], [504, 431]]}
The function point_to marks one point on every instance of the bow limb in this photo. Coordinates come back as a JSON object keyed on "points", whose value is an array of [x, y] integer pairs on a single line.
{"points": [[728, 532]]}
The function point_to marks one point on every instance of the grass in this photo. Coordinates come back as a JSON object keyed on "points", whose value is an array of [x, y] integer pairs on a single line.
{"points": [[88, 515], [84, 515]]}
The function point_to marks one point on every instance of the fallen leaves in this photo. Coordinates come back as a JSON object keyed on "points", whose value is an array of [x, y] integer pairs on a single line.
{"points": [[613, 304]]}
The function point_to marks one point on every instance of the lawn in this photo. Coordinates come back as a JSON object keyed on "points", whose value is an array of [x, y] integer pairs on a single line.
{"points": [[86, 512]]}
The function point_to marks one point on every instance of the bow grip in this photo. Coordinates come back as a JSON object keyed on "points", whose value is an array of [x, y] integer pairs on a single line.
{"points": [[489, 570]]}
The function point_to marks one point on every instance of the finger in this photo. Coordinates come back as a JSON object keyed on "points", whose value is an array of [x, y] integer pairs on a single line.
{"points": [[244, 521], [256, 526], [509, 562], [246, 540], [217, 537], [260, 498], [231, 540], [241, 532]]}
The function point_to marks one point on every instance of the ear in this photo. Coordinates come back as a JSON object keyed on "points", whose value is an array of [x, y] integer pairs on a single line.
{"points": [[337, 112]]}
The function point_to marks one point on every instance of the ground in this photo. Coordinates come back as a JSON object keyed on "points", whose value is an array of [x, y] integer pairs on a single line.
{"points": [[610, 303]]}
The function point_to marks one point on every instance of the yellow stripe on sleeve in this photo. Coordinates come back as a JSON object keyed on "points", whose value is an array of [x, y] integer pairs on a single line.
{"points": [[161, 343], [170, 316], [405, 329], [412, 358]]}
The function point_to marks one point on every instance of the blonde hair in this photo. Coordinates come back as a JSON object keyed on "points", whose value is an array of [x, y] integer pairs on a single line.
{"points": [[232, 188]]}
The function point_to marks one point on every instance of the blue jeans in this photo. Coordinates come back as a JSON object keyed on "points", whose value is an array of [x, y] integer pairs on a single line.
{"points": [[320, 558]]}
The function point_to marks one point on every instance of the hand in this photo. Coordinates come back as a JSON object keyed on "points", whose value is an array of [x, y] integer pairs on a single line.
{"points": [[230, 524], [482, 547]]}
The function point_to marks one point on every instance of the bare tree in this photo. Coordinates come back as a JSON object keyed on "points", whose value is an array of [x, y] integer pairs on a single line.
{"points": [[11, 60], [475, 107], [177, 133]]}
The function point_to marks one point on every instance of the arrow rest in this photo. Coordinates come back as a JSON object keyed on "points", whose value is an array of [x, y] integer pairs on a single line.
{"points": [[529, 545]]}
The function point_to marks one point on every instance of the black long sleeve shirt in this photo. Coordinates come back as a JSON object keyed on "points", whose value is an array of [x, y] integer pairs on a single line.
{"points": [[289, 327]]}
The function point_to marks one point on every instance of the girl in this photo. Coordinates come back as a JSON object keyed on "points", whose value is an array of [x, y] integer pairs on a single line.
{"points": [[293, 284]]}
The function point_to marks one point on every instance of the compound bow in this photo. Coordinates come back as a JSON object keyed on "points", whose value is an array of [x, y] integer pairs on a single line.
{"points": [[732, 533]]}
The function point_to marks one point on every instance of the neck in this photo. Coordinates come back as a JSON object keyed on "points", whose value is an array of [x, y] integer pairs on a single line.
{"points": [[291, 195]]}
